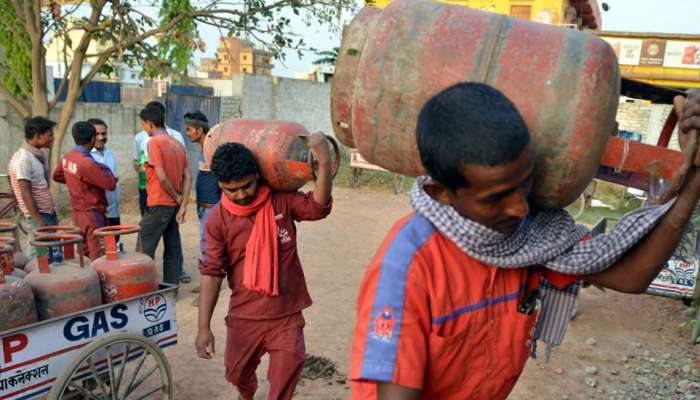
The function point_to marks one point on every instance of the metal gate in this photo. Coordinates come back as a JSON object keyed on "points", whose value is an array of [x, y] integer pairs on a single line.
{"points": [[180, 104]]}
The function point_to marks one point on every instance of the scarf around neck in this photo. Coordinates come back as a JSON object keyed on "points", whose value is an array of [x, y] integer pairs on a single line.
{"points": [[40, 155], [549, 238], [261, 264]]}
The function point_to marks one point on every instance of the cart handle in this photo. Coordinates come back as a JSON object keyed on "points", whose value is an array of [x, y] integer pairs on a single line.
{"points": [[56, 229], [10, 240], [67, 240], [7, 227], [109, 234], [114, 230]]}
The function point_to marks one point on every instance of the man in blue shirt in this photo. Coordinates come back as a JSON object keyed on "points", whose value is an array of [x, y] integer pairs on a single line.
{"points": [[207, 187], [104, 155]]}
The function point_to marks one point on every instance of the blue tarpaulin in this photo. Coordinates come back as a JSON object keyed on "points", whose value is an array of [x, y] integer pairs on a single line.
{"points": [[94, 92], [191, 90]]}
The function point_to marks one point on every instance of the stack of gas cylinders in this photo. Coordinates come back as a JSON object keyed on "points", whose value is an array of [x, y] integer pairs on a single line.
{"points": [[60, 281]]}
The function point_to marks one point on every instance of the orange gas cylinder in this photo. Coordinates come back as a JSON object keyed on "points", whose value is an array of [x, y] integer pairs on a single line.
{"points": [[354, 36], [566, 85], [8, 258], [68, 252], [19, 258], [123, 275], [17, 307], [60, 288], [279, 147]]}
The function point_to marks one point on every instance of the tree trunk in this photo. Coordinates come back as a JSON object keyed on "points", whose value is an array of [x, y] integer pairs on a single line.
{"points": [[40, 100]]}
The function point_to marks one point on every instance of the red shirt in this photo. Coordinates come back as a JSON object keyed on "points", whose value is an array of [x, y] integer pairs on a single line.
{"points": [[169, 154], [430, 317], [87, 180], [225, 238]]}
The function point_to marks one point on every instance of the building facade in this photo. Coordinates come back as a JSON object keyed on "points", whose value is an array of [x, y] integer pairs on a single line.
{"points": [[235, 56]]}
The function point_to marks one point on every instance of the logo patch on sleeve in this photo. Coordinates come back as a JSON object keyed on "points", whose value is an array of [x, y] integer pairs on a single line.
{"points": [[384, 324]]}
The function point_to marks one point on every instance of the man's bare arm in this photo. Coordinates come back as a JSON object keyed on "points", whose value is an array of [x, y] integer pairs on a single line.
{"points": [[25, 190], [208, 296], [637, 269], [392, 391]]}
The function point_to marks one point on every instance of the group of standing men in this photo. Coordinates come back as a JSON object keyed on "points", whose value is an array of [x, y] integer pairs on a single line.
{"points": [[89, 171]]}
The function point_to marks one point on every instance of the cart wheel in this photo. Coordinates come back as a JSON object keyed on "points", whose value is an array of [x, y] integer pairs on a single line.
{"points": [[355, 178], [99, 373], [399, 182]]}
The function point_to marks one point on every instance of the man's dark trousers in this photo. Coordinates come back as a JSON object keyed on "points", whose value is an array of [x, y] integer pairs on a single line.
{"points": [[157, 222]]}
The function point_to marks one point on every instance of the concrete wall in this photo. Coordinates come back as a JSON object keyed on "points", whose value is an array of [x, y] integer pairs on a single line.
{"points": [[305, 102], [230, 108], [266, 97]]}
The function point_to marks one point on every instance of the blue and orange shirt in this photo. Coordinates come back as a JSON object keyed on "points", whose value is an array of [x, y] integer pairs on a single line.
{"points": [[431, 317]]}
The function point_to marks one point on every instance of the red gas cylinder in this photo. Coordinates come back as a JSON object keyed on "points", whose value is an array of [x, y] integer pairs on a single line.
{"points": [[17, 307], [18, 257], [123, 275], [62, 289], [566, 85], [8, 258], [354, 36], [279, 147], [68, 251]]}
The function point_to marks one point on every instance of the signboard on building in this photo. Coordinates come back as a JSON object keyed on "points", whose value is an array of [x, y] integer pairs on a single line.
{"points": [[656, 52]]}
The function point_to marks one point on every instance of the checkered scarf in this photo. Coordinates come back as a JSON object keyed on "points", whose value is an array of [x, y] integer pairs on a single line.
{"points": [[549, 238]]}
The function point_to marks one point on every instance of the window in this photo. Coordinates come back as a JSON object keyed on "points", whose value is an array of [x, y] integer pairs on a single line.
{"points": [[245, 57], [245, 70], [522, 12]]}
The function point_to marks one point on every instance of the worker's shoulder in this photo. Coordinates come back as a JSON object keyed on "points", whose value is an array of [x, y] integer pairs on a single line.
{"points": [[407, 238], [411, 232]]}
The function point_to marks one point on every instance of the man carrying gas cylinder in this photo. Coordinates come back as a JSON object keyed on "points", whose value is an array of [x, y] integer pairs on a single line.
{"points": [[448, 308], [250, 238], [87, 181]]}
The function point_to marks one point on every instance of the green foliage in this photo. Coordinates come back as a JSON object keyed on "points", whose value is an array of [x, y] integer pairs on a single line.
{"points": [[15, 59], [179, 44]]}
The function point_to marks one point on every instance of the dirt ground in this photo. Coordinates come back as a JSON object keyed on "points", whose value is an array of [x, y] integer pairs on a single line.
{"points": [[334, 253]]}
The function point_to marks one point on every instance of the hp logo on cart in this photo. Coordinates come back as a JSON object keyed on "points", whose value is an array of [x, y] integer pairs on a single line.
{"points": [[153, 307]]}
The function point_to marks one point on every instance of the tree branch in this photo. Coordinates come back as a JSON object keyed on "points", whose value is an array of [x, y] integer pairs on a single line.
{"points": [[16, 103], [65, 16], [94, 70], [193, 14], [64, 81]]}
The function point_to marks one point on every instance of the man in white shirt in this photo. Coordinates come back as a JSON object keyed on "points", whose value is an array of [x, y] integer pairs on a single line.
{"points": [[103, 155], [140, 157]]}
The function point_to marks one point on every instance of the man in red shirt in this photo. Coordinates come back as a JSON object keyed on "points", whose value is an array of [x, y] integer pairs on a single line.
{"points": [[448, 308], [250, 239], [168, 184], [87, 181]]}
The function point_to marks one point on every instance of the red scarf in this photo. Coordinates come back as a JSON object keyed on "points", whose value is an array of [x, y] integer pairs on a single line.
{"points": [[261, 265]]}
